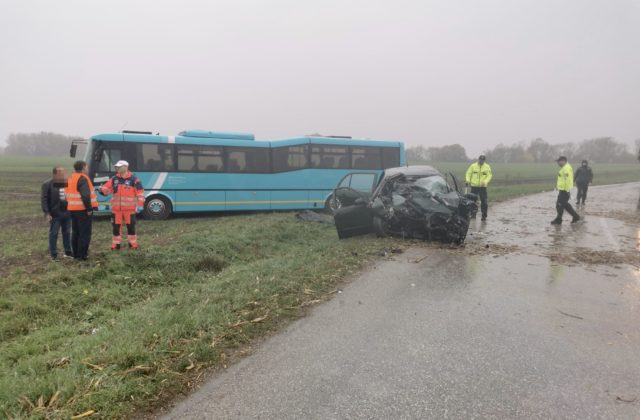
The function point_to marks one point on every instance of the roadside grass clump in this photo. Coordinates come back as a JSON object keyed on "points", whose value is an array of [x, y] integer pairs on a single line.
{"points": [[210, 263]]}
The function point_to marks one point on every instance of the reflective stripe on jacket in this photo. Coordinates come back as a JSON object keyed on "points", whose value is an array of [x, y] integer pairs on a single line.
{"points": [[565, 178], [479, 175], [127, 193], [75, 200]]}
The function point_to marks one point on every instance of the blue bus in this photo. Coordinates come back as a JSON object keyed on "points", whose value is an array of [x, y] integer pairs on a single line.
{"points": [[221, 171]]}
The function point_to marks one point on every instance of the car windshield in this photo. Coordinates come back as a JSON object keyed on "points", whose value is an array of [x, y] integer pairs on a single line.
{"points": [[435, 184]]}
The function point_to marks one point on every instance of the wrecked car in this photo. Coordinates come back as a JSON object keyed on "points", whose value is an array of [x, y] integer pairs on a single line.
{"points": [[411, 202]]}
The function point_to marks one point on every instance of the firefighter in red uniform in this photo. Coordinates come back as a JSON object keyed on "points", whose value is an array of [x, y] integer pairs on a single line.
{"points": [[127, 200]]}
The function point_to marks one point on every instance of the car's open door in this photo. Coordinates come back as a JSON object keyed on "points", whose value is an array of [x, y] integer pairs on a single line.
{"points": [[354, 220], [353, 214]]}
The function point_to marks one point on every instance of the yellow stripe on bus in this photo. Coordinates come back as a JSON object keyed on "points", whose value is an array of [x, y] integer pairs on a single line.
{"points": [[191, 203]]}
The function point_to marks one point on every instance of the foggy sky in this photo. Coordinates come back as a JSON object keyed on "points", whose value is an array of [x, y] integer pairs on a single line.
{"points": [[424, 72]]}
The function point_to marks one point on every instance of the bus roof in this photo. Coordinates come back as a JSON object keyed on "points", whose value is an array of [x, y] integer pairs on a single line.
{"points": [[201, 137]]}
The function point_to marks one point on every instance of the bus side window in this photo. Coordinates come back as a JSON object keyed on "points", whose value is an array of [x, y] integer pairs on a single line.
{"points": [[234, 166], [155, 157], [390, 157], [366, 158], [329, 157], [186, 158], [289, 158], [248, 160], [200, 158], [315, 156], [297, 157]]}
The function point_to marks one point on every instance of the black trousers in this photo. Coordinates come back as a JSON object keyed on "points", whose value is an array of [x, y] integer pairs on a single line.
{"points": [[563, 204], [481, 192], [117, 228], [81, 233], [582, 192]]}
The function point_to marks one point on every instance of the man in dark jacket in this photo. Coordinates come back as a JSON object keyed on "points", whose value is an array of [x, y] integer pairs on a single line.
{"points": [[583, 177], [55, 211]]}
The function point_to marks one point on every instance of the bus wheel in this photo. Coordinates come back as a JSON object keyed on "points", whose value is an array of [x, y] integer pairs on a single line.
{"points": [[332, 204], [157, 208]]}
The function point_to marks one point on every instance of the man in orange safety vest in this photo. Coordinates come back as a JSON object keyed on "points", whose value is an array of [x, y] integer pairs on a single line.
{"points": [[81, 202], [127, 200]]}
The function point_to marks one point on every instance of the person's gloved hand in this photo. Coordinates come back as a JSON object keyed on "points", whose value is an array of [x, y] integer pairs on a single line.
{"points": [[139, 209]]}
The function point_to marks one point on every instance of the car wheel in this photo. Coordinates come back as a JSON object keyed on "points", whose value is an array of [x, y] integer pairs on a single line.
{"points": [[157, 208]]}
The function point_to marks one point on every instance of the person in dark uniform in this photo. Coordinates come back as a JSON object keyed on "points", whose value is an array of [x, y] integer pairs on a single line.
{"points": [[54, 207], [583, 177]]}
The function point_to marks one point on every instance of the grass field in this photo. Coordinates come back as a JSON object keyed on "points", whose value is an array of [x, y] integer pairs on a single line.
{"points": [[514, 179], [132, 329]]}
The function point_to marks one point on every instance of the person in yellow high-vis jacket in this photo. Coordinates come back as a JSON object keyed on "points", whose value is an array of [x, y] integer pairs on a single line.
{"points": [[564, 185], [478, 177]]}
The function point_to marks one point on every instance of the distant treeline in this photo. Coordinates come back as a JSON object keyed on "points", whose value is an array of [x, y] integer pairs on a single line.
{"points": [[38, 144], [601, 149]]}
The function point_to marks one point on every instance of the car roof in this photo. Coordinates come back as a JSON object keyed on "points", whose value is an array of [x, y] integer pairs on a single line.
{"points": [[423, 170]]}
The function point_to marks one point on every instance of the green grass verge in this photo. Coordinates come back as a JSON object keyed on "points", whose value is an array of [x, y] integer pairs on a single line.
{"points": [[134, 328]]}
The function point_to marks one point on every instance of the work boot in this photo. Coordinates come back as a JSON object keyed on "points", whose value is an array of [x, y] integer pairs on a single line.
{"points": [[556, 221], [133, 241], [575, 219], [484, 218]]}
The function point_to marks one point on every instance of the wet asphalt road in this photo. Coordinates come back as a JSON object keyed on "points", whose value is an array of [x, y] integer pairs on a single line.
{"points": [[496, 335]]}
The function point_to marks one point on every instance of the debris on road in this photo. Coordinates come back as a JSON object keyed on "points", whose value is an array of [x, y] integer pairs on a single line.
{"points": [[592, 257], [570, 315]]}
